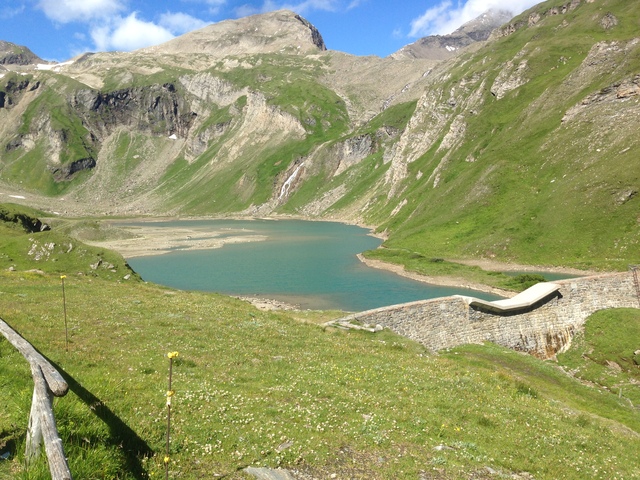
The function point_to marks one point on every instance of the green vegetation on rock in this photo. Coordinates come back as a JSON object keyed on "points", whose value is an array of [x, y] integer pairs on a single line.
{"points": [[27, 244]]}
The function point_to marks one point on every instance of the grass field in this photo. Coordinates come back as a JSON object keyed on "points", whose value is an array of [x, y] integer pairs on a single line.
{"points": [[276, 389]]}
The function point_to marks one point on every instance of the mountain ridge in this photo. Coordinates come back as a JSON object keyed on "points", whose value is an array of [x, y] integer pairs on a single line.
{"points": [[466, 157], [263, 33], [442, 47], [13, 54]]}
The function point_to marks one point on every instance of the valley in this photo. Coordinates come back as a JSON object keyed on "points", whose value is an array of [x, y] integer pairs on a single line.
{"points": [[476, 156], [505, 146]]}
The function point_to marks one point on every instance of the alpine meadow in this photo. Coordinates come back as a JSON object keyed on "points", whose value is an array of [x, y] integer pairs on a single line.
{"points": [[512, 142]]}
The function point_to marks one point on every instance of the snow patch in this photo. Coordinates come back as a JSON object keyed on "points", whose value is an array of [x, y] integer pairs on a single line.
{"points": [[55, 66]]}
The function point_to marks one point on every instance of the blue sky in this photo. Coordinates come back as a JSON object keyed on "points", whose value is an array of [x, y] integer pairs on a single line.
{"points": [[60, 29]]}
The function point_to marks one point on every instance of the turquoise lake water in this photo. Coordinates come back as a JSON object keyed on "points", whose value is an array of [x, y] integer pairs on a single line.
{"points": [[310, 264]]}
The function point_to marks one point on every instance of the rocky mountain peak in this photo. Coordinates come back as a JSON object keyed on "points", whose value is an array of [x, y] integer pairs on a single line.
{"points": [[441, 47], [278, 31], [12, 54]]}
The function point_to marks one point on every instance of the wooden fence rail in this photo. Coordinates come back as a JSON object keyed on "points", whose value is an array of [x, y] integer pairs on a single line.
{"points": [[42, 425]]}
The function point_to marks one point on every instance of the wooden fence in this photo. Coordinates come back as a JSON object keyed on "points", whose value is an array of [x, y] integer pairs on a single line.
{"points": [[42, 425]]}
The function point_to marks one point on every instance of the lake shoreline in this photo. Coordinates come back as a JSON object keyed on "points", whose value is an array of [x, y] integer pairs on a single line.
{"points": [[151, 240], [442, 281], [147, 240], [460, 282]]}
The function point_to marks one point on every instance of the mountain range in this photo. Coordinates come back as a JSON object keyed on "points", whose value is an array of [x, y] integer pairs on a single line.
{"points": [[513, 139]]}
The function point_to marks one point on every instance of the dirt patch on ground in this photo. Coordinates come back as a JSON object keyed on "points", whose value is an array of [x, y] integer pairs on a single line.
{"points": [[152, 240], [493, 265], [489, 265], [433, 280]]}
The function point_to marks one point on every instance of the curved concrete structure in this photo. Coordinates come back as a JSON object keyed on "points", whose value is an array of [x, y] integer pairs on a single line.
{"points": [[540, 321], [526, 299]]}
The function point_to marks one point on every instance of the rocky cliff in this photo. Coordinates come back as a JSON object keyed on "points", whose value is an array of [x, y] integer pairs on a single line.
{"points": [[442, 47], [12, 54], [273, 32]]}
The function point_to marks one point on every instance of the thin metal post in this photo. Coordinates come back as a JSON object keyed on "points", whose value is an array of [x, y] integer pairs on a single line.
{"points": [[64, 308], [170, 393]]}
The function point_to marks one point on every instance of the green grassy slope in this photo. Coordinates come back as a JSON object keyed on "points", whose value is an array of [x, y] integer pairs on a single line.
{"points": [[264, 389], [525, 183], [23, 247], [216, 183], [275, 389], [33, 168]]}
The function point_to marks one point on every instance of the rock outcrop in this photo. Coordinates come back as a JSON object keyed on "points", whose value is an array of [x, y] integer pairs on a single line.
{"points": [[441, 47], [12, 54], [271, 32], [156, 109]]}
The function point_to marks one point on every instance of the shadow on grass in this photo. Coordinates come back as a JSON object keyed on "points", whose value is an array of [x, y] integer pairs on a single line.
{"points": [[133, 447], [8, 443]]}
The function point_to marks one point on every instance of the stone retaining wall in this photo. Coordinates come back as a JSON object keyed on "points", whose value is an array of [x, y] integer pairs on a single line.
{"points": [[541, 330]]}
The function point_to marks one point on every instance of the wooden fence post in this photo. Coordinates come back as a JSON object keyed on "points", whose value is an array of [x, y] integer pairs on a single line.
{"points": [[47, 382], [34, 430], [46, 427]]}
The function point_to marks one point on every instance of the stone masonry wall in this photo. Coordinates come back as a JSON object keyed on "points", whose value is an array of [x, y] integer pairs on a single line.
{"points": [[541, 330]]}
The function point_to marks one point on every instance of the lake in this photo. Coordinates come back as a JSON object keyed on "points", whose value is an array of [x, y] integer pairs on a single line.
{"points": [[309, 264]]}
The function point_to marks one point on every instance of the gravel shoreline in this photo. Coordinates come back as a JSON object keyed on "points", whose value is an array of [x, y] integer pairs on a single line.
{"points": [[443, 281], [460, 282]]}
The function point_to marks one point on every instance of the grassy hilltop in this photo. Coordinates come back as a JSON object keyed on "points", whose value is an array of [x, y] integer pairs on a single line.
{"points": [[275, 389]]}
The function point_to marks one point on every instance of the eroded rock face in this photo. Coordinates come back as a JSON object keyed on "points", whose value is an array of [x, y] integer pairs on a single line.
{"points": [[316, 38], [207, 89], [156, 109], [440, 47], [603, 56], [12, 54], [352, 151], [15, 89], [536, 17], [510, 77], [609, 21], [432, 114], [618, 91], [440, 115], [65, 172], [28, 223]]}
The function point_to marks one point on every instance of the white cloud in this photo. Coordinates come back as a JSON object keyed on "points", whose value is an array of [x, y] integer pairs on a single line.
{"points": [[425, 22], [101, 37], [10, 12], [445, 18], [112, 25], [65, 11], [355, 4], [129, 33], [179, 23], [299, 7], [214, 5]]}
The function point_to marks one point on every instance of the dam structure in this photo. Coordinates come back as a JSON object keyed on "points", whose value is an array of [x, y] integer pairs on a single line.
{"points": [[540, 321]]}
